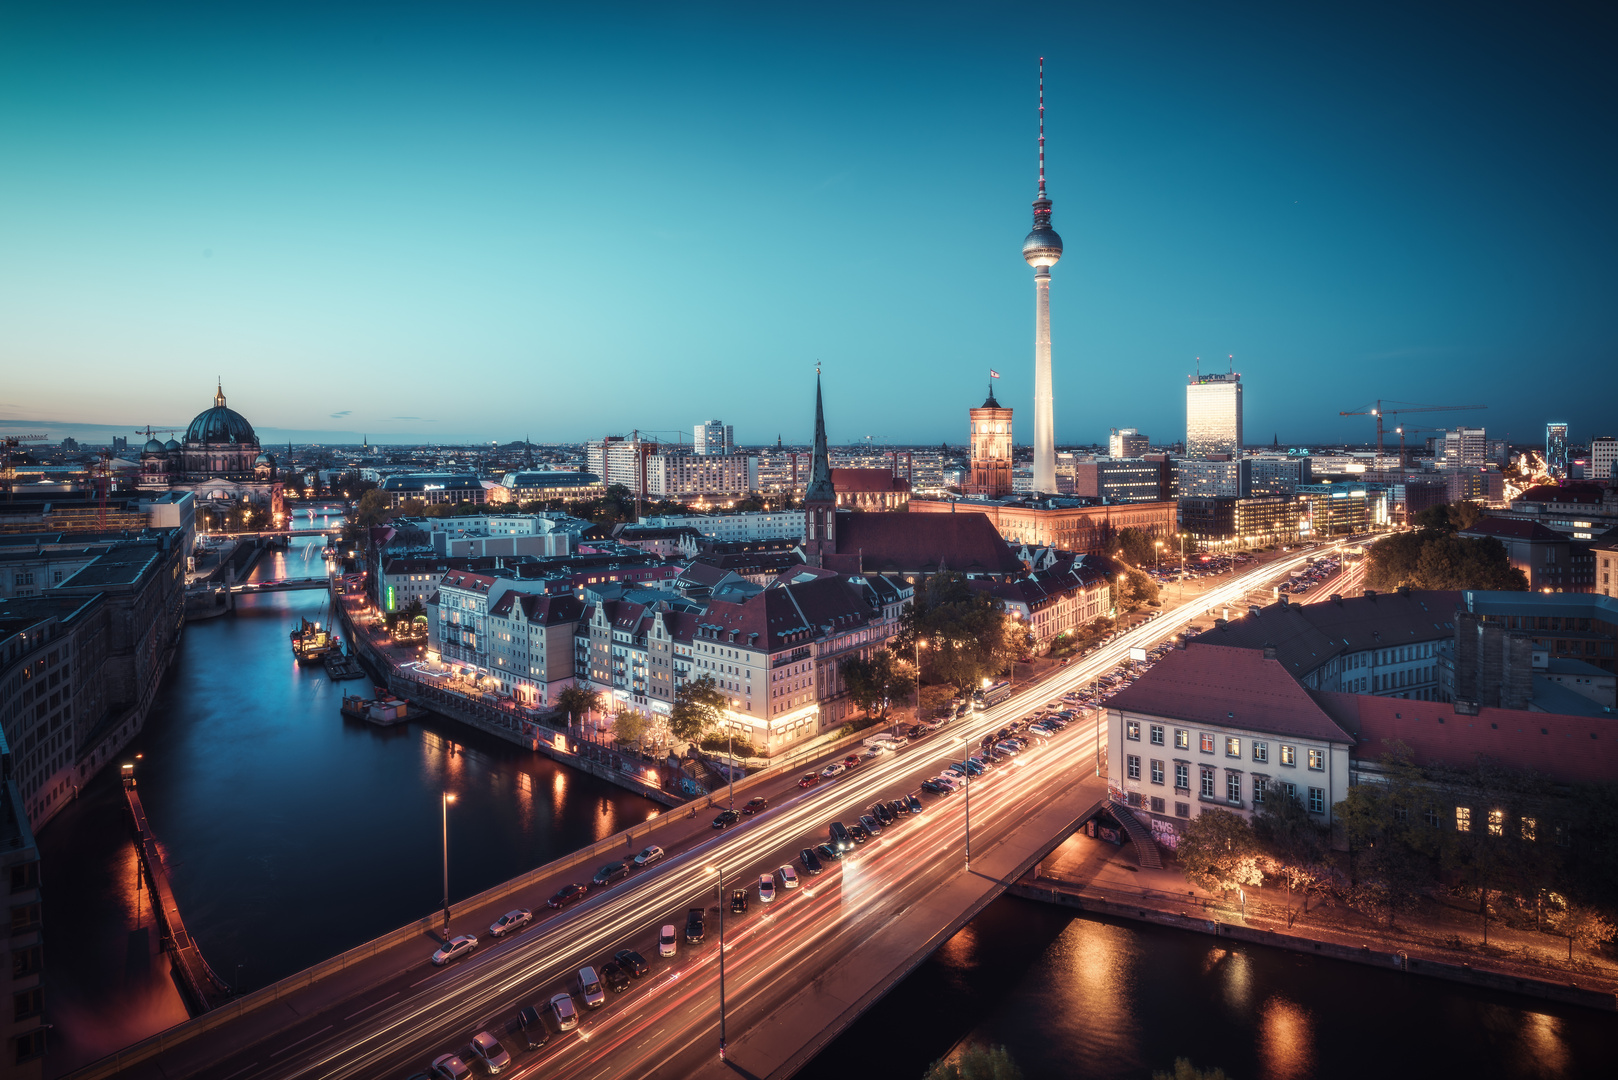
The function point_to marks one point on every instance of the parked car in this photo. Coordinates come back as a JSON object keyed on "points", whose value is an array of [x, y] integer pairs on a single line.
{"points": [[653, 854], [811, 862], [852, 761], [836, 768], [511, 922], [766, 888], [828, 853], [914, 803], [898, 808], [695, 930], [726, 819], [789, 878], [567, 894], [666, 944], [450, 1067], [756, 805], [738, 902], [488, 1050], [536, 1033], [932, 787], [871, 825], [454, 949], [590, 988], [564, 1012], [883, 815], [614, 975], [613, 871], [857, 833], [632, 961], [809, 780]]}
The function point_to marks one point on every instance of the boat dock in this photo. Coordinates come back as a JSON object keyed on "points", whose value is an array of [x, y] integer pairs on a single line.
{"points": [[200, 987], [342, 668]]}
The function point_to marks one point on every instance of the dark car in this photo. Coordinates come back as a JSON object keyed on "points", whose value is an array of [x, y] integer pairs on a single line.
{"points": [[614, 871], [738, 902], [828, 853], [533, 1027], [756, 805], [932, 787], [614, 975], [915, 804], [915, 731], [809, 780], [882, 814], [810, 861], [870, 825], [898, 808], [857, 833], [695, 930], [726, 819], [632, 962], [567, 894]]}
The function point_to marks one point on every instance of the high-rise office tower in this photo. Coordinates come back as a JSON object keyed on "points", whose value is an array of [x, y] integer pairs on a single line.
{"points": [[1213, 415], [1603, 455], [1127, 443], [713, 437], [1556, 449], [990, 474], [1041, 249], [1466, 448]]}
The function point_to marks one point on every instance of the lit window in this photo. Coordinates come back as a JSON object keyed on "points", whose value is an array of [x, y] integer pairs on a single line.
{"points": [[1182, 739], [1463, 819], [1497, 822], [1132, 730], [1207, 743], [1530, 829], [1233, 746], [1317, 760], [1289, 754], [1261, 751]]}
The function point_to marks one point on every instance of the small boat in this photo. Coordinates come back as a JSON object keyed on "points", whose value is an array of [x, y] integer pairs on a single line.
{"points": [[384, 710], [341, 667], [311, 644]]}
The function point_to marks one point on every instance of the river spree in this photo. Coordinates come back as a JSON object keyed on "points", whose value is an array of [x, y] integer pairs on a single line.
{"points": [[291, 834], [1081, 997]]}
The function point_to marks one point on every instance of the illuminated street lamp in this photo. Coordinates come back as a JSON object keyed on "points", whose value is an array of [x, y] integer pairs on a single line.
{"points": [[720, 870], [445, 799]]}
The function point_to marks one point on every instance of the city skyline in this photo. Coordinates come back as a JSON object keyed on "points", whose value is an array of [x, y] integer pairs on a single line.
{"points": [[458, 257]]}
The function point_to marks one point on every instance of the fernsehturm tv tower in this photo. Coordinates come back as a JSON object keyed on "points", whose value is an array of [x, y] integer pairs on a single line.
{"points": [[1042, 248]]}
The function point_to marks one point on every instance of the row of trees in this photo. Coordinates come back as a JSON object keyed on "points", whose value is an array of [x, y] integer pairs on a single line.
{"points": [[1434, 556], [1501, 839]]}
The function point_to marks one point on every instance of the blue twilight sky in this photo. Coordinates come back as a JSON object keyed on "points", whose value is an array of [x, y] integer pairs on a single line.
{"points": [[468, 220]]}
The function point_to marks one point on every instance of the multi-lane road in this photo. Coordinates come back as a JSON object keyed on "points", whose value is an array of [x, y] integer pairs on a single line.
{"points": [[789, 965]]}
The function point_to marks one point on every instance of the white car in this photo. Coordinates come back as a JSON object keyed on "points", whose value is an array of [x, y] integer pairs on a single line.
{"points": [[766, 888], [567, 1017], [490, 1052], [666, 941], [836, 768], [454, 949], [511, 922], [789, 877], [450, 1067], [649, 856], [590, 988]]}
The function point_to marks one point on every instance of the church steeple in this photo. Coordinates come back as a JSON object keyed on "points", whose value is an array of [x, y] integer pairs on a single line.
{"points": [[819, 498], [219, 395]]}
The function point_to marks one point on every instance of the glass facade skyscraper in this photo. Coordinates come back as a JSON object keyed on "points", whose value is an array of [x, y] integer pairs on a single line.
{"points": [[1556, 449], [1213, 415]]}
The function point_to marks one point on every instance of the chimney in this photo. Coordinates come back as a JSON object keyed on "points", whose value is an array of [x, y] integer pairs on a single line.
{"points": [[1269, 651], [1221, 624], [1337, 598], [1404, 590], [1253, 610], [1370, 594]]}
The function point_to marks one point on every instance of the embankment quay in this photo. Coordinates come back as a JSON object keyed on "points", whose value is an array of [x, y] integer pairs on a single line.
{"points": [[793, 976]]}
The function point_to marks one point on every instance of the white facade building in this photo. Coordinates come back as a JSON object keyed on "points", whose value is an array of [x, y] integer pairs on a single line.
{"points": [[713, 437], [750, 525]]}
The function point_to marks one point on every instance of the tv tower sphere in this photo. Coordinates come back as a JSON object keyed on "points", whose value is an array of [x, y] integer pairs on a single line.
{"points": [[1043, 247]]}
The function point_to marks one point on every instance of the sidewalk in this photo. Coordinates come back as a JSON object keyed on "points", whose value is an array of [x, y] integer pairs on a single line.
{"points": [[1438, 933]]}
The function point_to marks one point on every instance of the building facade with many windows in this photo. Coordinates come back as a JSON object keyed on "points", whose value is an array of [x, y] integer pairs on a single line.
{"points": [[1213, 415]]}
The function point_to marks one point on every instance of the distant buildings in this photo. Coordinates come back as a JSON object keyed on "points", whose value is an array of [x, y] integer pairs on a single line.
{"points": [[749, 525], [1341, 509], [1253, 521], [1466, 448], [1581, 511], [1065, 524], [1556, 450], [1551, 560], [1127, 443], [532, 486], [1122, 480], [1213, 415], [220, 460], [1603, 455], [434, 489], [654, 471], [1220, 476], [713, 437]]}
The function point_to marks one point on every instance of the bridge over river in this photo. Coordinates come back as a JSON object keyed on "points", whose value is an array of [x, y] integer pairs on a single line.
{"points": [[794, 972]]}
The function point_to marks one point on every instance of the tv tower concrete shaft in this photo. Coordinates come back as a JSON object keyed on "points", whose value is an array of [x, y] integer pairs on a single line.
{"points": [[1044, 398]]}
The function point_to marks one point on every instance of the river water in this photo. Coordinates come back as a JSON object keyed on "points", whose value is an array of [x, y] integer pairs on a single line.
{"points": [[292, 834]]}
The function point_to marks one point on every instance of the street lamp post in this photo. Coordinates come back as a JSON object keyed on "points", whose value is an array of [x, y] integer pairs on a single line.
{"points": [[444, 800], [730, 766], [720, 870], [966, 780]]}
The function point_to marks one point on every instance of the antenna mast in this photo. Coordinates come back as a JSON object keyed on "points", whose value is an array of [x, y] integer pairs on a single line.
{"points": [[1041, 127]]}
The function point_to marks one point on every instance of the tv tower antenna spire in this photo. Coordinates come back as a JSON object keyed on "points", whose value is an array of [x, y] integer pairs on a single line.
{"points": [[1041, 127]]}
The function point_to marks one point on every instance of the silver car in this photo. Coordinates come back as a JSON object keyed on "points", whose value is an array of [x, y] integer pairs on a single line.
{"points": [[490, 1052], [511, 922], [567, 1017], [590, 988]]}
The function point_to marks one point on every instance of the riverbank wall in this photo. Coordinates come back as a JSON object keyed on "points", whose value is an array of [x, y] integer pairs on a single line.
{"points": [[1031, 887]]}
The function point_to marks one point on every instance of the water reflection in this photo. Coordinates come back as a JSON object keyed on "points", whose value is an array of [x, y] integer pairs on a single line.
{"points": [[1078, 997], [268, 803]]}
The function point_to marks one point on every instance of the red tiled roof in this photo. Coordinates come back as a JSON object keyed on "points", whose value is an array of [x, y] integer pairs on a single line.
{"points": [[1216, 684], [1570, 749], [922, 543], [1566, 493], [867, 480], [455, 579]]}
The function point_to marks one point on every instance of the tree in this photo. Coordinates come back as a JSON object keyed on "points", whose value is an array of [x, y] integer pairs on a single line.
{"points": [[874, 683], [1389, 851], [372, 509], [1292, 840], [1135, 546], [576, 700], [1582, 925], [629, 726], [699, 706], [968, 633], [1438, 559], [1134, 588], [1219, 851], [976, 1063], [1184, 1070]]}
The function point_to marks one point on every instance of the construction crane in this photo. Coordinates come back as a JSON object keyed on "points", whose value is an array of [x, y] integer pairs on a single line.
{"points": [[8, 472], [1379, 412], [1407, 429]]}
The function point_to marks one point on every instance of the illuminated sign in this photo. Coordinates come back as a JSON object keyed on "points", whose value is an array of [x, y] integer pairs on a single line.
{"points": [[390, 597]]}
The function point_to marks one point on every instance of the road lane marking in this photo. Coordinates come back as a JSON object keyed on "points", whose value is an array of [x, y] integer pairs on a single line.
{"points": [[373, 1005], [303, 1040]]}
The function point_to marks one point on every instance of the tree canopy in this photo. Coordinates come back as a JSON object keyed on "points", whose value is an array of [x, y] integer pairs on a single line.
{"points": [[965, 632], [1435, 557], [699, 705], [873, 684], [1219, 851], [976, 1063]]}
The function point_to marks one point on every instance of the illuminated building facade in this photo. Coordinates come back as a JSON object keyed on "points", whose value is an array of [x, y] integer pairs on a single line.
{"points": [[1556, 449], [1213, 415], [990, 474]]}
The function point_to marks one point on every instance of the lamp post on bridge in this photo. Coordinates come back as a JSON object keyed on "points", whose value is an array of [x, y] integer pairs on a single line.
{"points": [[444, 800], [720, 870]]}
